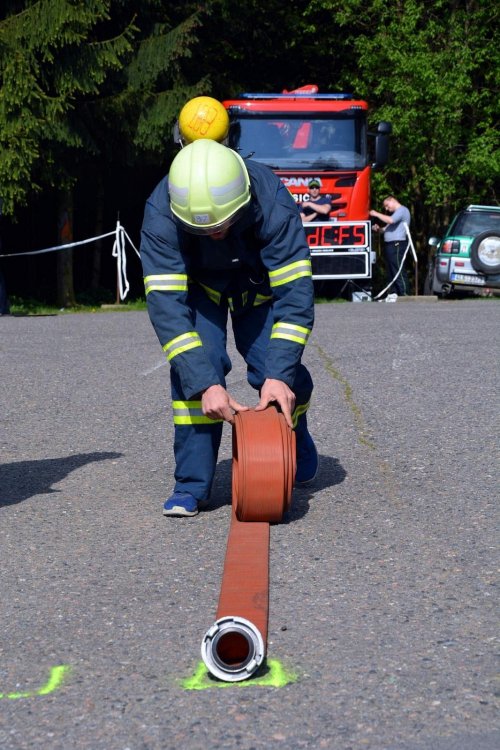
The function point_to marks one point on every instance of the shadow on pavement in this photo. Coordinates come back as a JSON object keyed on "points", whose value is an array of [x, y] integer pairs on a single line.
{"points": [[221, 488], [330, 473], [22, 479]]}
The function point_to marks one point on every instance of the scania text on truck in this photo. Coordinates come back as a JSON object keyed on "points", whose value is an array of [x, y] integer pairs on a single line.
{"points": [[302, 135]]}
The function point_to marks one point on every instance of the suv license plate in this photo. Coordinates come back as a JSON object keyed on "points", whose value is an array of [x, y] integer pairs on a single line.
{"points": [[462, 278]]}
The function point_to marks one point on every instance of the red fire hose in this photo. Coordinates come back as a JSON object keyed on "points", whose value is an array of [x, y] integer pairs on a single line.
{"points": [[263, 475]]}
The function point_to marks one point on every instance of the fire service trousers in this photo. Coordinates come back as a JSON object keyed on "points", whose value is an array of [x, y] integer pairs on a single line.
{"points": [[197, 438]]}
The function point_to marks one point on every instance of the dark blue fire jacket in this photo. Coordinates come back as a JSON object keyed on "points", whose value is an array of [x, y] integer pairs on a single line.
{"points": [[264, 259]]}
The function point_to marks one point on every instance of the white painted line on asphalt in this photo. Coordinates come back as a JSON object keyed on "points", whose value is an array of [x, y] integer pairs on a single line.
{"points": [[156, 367]]}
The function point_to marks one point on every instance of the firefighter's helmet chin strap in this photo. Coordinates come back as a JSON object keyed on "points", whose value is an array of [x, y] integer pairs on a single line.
{"points": [[176, 135]]}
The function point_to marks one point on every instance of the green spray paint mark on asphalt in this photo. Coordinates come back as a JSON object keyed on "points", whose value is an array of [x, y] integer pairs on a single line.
{"points": [[363, 433], [55, 681], [275, 675]]}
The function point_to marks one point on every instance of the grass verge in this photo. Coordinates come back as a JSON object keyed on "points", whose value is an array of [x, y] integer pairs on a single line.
{"points": [[21, 307]]}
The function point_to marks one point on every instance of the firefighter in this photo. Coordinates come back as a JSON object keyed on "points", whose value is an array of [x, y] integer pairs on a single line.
{"points": [[202, 117], [223, 236]]}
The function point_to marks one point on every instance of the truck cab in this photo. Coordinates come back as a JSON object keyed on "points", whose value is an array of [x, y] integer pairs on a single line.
{"points": [[304, 135]]}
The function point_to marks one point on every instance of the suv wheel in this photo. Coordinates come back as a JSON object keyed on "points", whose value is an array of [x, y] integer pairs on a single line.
{"points": [[485, 253]]}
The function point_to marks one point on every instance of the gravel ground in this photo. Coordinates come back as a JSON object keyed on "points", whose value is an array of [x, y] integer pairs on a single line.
{"points": [[382, 600]]}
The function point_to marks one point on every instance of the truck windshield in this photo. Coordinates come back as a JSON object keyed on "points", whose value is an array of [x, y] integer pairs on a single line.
{"points": [[285, 141]]}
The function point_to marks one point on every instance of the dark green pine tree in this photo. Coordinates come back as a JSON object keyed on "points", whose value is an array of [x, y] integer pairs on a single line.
{"points": [[54, 54], [94, 80], [134, 114]]}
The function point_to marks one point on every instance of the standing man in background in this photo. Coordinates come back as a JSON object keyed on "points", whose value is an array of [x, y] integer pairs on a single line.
{"points": [[318, 207], [395, 242]]}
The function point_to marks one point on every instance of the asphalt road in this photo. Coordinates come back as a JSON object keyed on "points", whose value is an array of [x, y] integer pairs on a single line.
{"points": [[383, 614]]}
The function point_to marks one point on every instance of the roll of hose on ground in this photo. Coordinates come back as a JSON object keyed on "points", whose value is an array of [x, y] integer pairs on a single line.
{"points": [[263, 474]]}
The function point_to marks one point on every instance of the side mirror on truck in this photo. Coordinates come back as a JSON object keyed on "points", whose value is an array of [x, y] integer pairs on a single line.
{"points": [[384, 129]]}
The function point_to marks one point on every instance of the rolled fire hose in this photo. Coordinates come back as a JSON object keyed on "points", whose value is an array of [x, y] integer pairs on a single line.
{"points": [[263, 473]]}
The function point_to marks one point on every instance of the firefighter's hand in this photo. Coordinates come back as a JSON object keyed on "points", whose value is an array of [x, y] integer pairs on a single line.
{"points": [[216, 403], [277, 390]]}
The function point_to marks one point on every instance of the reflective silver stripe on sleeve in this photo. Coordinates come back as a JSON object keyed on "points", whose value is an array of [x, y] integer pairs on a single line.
{"points": [[166, 282], [291, 332], [181, 344], [290, 273]]}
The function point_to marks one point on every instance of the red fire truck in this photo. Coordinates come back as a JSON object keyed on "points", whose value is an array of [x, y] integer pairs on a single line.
{"points": [[302, 135]]}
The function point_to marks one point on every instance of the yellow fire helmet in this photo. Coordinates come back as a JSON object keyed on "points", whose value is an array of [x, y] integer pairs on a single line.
{"points": [[209, 187], [203, 117]]}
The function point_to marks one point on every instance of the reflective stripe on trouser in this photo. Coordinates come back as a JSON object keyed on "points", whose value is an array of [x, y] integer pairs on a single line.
{"points": [[190, 412], [299, 410], [196, 445]]}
